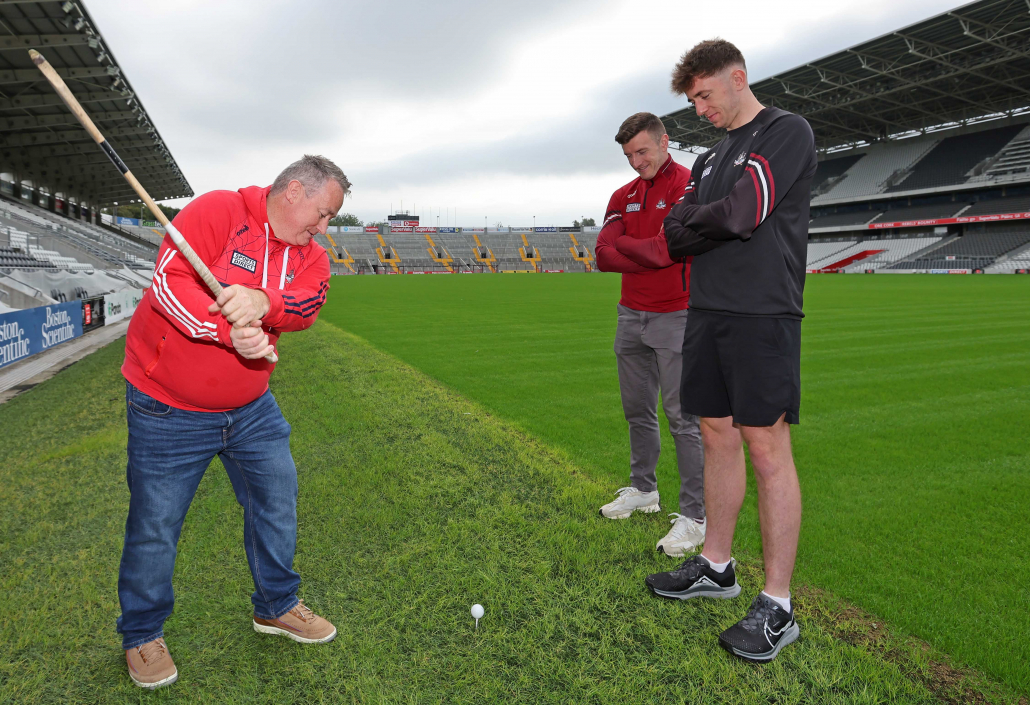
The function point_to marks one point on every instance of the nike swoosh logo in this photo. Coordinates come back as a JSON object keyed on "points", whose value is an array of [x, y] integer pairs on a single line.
{"points": [[770, 633]]}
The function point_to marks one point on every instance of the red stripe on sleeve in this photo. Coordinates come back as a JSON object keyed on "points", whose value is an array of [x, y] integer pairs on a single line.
{"points": [[768, 177], [758, 196]]}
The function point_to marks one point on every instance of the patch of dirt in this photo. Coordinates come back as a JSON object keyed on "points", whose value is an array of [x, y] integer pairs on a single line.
{"points": [[951, 684]]}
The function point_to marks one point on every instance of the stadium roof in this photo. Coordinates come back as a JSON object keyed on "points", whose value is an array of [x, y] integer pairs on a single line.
{"points": [[42, 141], [963, 66]]}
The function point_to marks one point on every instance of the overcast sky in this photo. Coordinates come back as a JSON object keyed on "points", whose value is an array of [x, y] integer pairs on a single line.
{"points": [[496, 110]]}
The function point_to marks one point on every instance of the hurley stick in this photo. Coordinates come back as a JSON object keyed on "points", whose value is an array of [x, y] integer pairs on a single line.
{"points": [[180, 242]]}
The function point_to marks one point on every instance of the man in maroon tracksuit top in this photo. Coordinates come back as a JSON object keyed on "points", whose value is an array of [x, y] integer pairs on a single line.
{"points": [[649, 335]]}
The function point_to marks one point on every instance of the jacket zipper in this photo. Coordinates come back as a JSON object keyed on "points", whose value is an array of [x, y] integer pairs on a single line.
{"points": [[153, 363]]}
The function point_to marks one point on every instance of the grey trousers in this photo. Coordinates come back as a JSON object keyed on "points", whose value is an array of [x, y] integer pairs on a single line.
{"points": [[648, 348]]}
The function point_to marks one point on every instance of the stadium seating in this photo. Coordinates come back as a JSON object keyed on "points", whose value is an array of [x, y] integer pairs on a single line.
{"points": [[500, 251], [11, 258], [77, 242], [933, 211], [953, 159], [999, 155], [1020, 260], [978, 248], [820, 251], [891, 250], [830, 171], [1013, 161], [874, 171], [841, 257], [834, 220], [1012, 204]]}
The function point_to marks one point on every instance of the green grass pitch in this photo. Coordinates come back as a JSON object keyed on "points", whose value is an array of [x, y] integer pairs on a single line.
{"points": [[459, 456]]}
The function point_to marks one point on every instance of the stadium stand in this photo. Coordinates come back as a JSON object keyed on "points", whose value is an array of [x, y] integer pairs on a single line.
{"points": [[891, 251], [977, 249], [877, 170], [78, 242], [1019, 260], [463, 251], [953, 159], [938, 108], [833, 220], [1011, 204], [927, 212], [842, 257], [830, 171], [54, 244], [820, 251], [1013, 161], [16, 258]]}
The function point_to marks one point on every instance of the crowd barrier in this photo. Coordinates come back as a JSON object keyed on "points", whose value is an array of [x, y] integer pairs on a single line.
{"points": [[28, 332]]}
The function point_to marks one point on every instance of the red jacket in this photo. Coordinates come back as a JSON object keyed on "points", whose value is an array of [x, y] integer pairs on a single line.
{"points": [[177, 352], [641, 206]]}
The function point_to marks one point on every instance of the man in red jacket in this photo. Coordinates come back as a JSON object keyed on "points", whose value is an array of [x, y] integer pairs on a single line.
{"points": [[197, 387], [649, 335]]}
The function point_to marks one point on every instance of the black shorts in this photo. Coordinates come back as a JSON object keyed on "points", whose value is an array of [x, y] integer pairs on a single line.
{"points": [[740, 366]]}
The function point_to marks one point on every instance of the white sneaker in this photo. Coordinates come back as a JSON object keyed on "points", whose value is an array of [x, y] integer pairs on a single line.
{"points": [[686, 535], [630, 500]]}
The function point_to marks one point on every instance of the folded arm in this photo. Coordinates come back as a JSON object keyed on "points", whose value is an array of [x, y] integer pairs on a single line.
{"points": [[609, 259], [681, 240], [652, 252], [780, 157]]}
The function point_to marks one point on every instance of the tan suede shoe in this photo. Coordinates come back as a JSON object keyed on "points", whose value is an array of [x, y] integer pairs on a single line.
{"points": [[300, 624], [150, 665]]}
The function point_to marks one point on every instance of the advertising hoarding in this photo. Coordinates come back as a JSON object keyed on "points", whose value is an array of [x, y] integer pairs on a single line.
{"points": [[33, 330], [121, 305]]}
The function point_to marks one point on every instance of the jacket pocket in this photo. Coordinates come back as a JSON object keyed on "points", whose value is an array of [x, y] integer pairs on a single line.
{"points": [[144, 404], [157, 356]]}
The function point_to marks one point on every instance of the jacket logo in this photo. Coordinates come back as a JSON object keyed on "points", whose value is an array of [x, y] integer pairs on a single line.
{"points": [[710, 157], [660, 204], [706, 172], [740, 160], [243, 262], [242, 230], [632, 207], [631, 195], [289, 277]]}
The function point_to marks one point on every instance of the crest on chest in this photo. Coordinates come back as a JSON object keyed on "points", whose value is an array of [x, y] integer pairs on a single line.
{"points": [[740, 160]]}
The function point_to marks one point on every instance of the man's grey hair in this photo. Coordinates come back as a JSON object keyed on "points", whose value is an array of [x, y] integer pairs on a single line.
{"points": [[312, 171]]}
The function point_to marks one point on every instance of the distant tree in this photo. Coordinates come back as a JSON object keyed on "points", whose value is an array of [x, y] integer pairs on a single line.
{"points": [[168, 210], [377, 224], [346, 219], [588, 221], [135, 210], [499, 224]]}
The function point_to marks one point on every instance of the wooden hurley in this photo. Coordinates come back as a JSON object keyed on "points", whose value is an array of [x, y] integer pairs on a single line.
{"points": [[180, 242]]}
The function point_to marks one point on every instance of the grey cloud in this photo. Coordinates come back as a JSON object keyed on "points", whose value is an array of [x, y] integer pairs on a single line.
{"points": [[586, 143], [247, 76]]}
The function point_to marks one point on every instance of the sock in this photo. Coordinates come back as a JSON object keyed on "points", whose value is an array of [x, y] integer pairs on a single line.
{"points": [[717, 567], [783, 602]]}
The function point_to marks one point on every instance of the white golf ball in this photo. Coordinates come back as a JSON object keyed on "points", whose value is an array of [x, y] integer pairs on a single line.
{"points": [[477, 611]]}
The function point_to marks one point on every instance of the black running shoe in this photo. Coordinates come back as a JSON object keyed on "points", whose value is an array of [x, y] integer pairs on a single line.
{"points": [[695, 578], [765, 630]]}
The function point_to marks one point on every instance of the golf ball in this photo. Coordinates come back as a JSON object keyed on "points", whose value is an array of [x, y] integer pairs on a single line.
{"points": [[477, 611]]}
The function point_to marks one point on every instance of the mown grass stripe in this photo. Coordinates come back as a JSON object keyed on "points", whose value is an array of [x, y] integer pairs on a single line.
{"points": [[415, 503], [905, 381]]}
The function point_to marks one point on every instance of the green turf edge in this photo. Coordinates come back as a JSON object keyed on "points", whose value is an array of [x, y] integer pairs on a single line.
{"points": [[911, 449], [520, 529]]}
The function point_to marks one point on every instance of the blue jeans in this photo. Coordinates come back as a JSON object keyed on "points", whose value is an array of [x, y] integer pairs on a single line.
{"points": [[169, 449]]}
